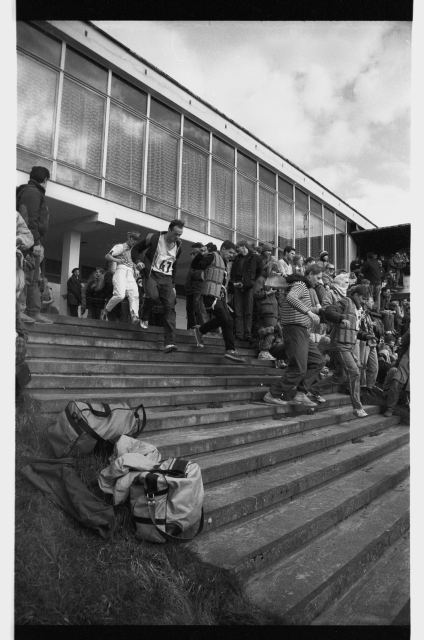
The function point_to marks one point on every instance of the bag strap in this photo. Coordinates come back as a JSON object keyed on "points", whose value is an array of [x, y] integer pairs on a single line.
{"points": [[168, 536], [100, 414], [80, 426], [136, 410]]}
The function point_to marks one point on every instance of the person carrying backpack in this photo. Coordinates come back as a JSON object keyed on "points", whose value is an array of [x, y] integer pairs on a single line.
{"points": [[31, 204]]}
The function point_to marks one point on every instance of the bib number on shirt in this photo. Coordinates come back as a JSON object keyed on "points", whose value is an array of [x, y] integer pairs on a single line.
{"points": [[166, 266]]}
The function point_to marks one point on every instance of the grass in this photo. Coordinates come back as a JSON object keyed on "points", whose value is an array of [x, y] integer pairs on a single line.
{"points": [[68, 575]]}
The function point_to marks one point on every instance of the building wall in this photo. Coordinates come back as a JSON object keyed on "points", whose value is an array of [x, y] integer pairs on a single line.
{"points": [[122, 141]]}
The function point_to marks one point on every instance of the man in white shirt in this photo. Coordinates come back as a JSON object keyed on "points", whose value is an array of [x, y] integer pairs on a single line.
{"points": [[124, 283], [286, 263]]}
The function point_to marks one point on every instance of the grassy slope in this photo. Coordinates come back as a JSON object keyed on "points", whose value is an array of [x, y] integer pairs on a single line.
{"points": [[66, 574]]}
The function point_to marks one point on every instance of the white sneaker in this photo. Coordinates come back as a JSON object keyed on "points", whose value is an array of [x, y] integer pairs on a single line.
{"points": [[233, 355], [300, 398], [134, 318], [360, 413], [269, 399], [265, 355], [144, 324], [170, 347]]}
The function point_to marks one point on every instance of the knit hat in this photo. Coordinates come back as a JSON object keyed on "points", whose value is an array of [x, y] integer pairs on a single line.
{"points": [[322, 254], [266, 247]]}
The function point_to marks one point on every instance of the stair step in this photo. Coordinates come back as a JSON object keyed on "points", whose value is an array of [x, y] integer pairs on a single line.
{"points": [[298, 587], [267, 535], [379, 596], [191, 441], [233, 500], [162, 371], [125, 380], [236, 461]]}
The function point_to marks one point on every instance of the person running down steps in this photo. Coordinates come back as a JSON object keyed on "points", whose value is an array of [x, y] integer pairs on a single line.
{"points": [[214, 295], [123, 279]]}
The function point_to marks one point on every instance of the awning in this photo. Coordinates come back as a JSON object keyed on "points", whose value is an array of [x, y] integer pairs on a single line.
{"points": [[383, 240]]}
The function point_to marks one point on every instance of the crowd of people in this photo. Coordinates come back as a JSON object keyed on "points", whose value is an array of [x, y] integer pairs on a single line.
{"points": [[316, 324]]}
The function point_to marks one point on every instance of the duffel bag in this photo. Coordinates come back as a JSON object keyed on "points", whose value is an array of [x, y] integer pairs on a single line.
{"points": [[168, 501], [81, 425]]}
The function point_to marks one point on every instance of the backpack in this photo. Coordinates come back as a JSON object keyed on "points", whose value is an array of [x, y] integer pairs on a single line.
{"points": [[81, 425], [167, 501]]}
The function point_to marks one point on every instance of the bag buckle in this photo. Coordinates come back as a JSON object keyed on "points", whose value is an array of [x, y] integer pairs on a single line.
{"points": [[150, 498]]}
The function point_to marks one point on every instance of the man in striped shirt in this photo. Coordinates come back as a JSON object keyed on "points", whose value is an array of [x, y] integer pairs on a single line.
{"points": [[305, 360]]}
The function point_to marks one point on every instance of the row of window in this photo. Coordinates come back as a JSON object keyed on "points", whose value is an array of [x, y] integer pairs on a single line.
{"points": [[100, 134]]}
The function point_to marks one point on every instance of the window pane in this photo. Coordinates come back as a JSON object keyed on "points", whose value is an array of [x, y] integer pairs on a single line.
{"points": [[245, 164], [316, 207], [329, 241], [81, 127], [222, 196], [194, 181], [340, 223], [301, 237], [125, 148], [37, 91], [285, 223], [222, 150], [316, 236], [196, 134], [165, 116], [285, 187], [241, 236], [37, 42], [221, 233], [267, 177], [194, 223], [77, 180], [302, 199], [161, 210], [85, 70], [162, 165], [25, 161], [266, 216], [246, 206], [328, 216], [341, 250], [122, 196], [128, 94]]}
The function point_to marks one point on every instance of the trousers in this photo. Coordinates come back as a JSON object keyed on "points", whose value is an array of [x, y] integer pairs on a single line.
{"points": [[221, 318], [243, 309], [304, 366], [124, 284], [159, 286], [347, 367], [29, 298]]}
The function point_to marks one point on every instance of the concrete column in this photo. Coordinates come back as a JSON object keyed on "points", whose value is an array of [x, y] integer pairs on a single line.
{"points": [[70, 260]]}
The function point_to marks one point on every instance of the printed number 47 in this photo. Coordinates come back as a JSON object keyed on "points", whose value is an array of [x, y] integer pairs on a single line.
{"points": [[165, 266]]}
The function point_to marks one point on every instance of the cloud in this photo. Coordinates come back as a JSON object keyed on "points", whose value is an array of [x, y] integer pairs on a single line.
{"points": [[384, 204]]}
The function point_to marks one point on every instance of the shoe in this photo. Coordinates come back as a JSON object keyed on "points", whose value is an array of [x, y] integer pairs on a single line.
{"points": [[318, 399], [239, 338], [103, 315], [144, 324], [26, 318], [301, 399], [170, 347], [280, 364], [134, 318], [268, 398], [233, 355], [388, 413], [360, 413], [42, 320], [198, 336], [265, 355]]}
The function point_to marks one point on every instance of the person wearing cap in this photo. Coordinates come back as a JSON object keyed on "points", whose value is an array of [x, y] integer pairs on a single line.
{"points": [[344, 312], [124, 283], [286, 262], [196, 312], [323, 259], [245, 269]]}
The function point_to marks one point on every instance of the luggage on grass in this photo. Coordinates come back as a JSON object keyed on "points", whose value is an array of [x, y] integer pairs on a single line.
{"points": [[81, 425]]}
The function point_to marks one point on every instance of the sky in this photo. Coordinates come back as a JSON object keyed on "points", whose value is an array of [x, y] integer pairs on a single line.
{"points": [[332, 97]]}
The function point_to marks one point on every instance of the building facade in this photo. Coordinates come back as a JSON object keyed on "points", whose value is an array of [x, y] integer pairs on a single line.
{"points": [[129, 148]]}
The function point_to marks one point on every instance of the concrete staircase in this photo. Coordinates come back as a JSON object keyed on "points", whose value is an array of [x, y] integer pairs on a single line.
{"points": [[306, 507]]}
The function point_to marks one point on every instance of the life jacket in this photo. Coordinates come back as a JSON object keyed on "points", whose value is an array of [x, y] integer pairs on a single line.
{"points": [[339, 333], [214, 277]]}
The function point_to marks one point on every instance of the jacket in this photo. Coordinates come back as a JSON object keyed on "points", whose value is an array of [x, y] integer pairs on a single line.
{"points": [[344, 309], [149, 246], [24, 233], [251, 270], [74, 296], [371, 270], [266, 305], [32, 205], [194, 280]]}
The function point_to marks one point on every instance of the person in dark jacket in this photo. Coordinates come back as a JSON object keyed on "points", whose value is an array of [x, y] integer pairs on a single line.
{"points": [[246, 267], [156, 256], [74, 295], [345, 314], [196, 312], [31, 204], [371, 271], [400, 379]]}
